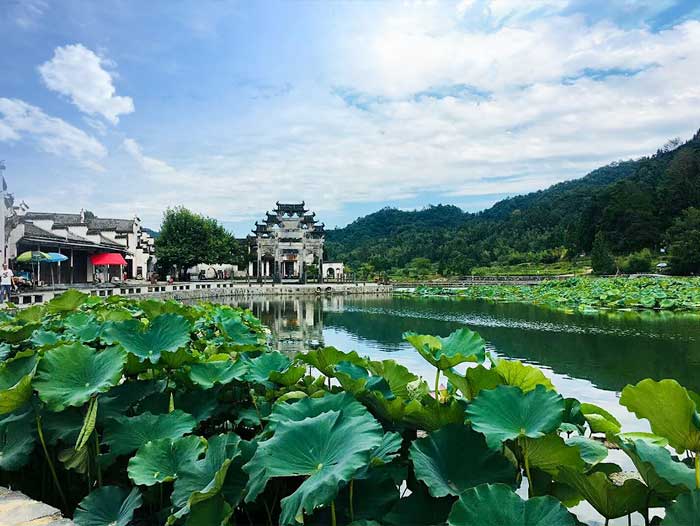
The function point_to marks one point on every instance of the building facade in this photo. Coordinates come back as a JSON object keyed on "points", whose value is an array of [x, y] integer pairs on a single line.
{"points": [[287, 244], [78, 237]]}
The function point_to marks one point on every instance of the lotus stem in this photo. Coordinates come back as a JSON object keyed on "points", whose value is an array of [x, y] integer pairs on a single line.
{"points": [[530, 485], [40, 432], [97, 461], [437, 385], [333, 520], [697, 470], [352, 507]]}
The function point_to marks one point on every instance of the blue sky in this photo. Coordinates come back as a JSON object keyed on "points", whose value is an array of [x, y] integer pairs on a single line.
{"points": [[127, 107]]}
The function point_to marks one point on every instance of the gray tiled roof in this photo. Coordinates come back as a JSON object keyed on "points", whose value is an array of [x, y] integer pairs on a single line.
{"points": [[33, 232], [93, 223]]}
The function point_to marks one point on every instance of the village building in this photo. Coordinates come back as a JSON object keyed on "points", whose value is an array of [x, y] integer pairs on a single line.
{"points": [[288, 245], [81, 237]]}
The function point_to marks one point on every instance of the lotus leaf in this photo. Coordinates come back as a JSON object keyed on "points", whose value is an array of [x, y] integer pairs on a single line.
{"points": [[164, 460], [211, 512], [549, 453], [388, 450], [288, 377], [329, 449], [506, 413], [517, 374], [474, 380], [461, 346], [125, 434], [308, 407], [592, 452], [108, 506], [82, 327], [42, 338], [373, 496], [327, 358], [399, 378], [669, 409], [259, 368], [685, 511], [430, 414], [498, 505], [220, 372], [16, 382], [66, 302], [419, 509], [166, 333], [663, 475], [16, 441], [455, 458], [234, 329], [70, 374], [14, 334], [647, 437], [600, 420], [205, 478], [610, 500]]}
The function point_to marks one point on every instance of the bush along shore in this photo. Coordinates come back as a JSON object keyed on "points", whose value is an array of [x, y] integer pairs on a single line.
{"points": [[144, 412], [587, 294]]}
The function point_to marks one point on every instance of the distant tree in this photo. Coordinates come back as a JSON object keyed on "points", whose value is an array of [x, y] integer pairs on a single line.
{"points": [[602, 260], [684, 243], [187, 239], [637, 262], [421, 267]]}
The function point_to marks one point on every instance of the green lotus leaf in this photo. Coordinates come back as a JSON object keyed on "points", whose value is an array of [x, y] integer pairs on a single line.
{"points": [[166, 333], [329, 449], [373, 496], [431, 415], [474, 380], [42, 338], [517, 374], [14, 334], [33, 314], [345, 403], [356, 379], [669, 409], [5, 351], [327, 358], [592, 452], [506, 413], [498, 505], [665, 476], [64, 426], [610, 500], [70, 374], [211, 512], [685, 511], [164, 460], [600, 420], [123, 397], [233, 328], [125, 434], [16, 441], [419, 509], [461, 346], [455, 458], [236, 480], [651, 438], [201, 404], [205, 478], [108, 506], [82, 327], [221, 372], [289, 376], [66, 302], [399, 378], [388, 450], [16, 382], [549, 453]]}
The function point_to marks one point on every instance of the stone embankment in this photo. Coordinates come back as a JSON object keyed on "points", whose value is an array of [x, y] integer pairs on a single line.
{"points": [[17, 509], [209, 290]]}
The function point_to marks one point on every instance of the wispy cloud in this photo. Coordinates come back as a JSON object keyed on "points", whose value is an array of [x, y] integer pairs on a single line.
{"points": [[20, 120], [78, 73]]}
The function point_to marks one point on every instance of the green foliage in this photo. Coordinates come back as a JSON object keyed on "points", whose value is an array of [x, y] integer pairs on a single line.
{"points": [[187, 239], [602, 260], [637, 262], [684, 242], [214, 428]]}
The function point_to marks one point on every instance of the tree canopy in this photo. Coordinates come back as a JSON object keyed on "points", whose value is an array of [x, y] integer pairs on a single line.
{"points": [[187, 239]]}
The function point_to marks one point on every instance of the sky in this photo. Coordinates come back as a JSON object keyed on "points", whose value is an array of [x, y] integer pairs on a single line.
{"points": [[127, 107]]}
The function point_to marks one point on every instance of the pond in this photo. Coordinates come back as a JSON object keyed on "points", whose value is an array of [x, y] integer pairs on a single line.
{"points": [[589, 357]]}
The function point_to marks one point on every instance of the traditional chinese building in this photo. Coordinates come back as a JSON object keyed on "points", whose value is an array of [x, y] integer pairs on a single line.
{"points": [[287, 244]]}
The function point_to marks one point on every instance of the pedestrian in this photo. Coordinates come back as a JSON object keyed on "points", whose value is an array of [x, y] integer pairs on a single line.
{"points": [[5, 283]]}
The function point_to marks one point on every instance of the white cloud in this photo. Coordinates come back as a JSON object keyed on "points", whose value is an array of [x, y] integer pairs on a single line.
{"points": [[77, 72], [148, 164], [19, 119]]}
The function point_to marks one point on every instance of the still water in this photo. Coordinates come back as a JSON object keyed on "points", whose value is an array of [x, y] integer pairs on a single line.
{"points": [[587, 357]]}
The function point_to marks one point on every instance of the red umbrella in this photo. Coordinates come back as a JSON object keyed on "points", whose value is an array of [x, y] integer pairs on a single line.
{"points": [[111, 258]]}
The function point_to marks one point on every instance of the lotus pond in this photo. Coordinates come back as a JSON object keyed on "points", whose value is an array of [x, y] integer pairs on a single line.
{"points": [[123, 412], [587, 294]]}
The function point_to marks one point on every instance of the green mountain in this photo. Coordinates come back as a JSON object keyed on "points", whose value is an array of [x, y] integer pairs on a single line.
{"points": [[633, 203]]}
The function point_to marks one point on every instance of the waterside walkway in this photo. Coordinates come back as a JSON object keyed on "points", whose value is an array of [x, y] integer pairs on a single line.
{"points": [[208, 289], [17, 509]]}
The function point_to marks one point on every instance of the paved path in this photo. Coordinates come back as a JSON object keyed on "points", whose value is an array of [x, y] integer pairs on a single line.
{"points": [[19, 510]]}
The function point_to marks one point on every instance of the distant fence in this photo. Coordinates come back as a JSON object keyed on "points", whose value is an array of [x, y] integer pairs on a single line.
{"points": [[467, 281]]}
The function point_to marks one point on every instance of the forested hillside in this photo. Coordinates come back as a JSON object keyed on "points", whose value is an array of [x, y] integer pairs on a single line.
{"points": [[633, 204]]}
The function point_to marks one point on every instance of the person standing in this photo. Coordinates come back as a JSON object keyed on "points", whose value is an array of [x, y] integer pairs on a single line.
{"points": [[5, 283]]}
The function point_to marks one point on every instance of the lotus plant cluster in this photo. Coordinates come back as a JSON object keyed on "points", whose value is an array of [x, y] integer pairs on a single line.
{"points": [[144, 412], [588, 295]]}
